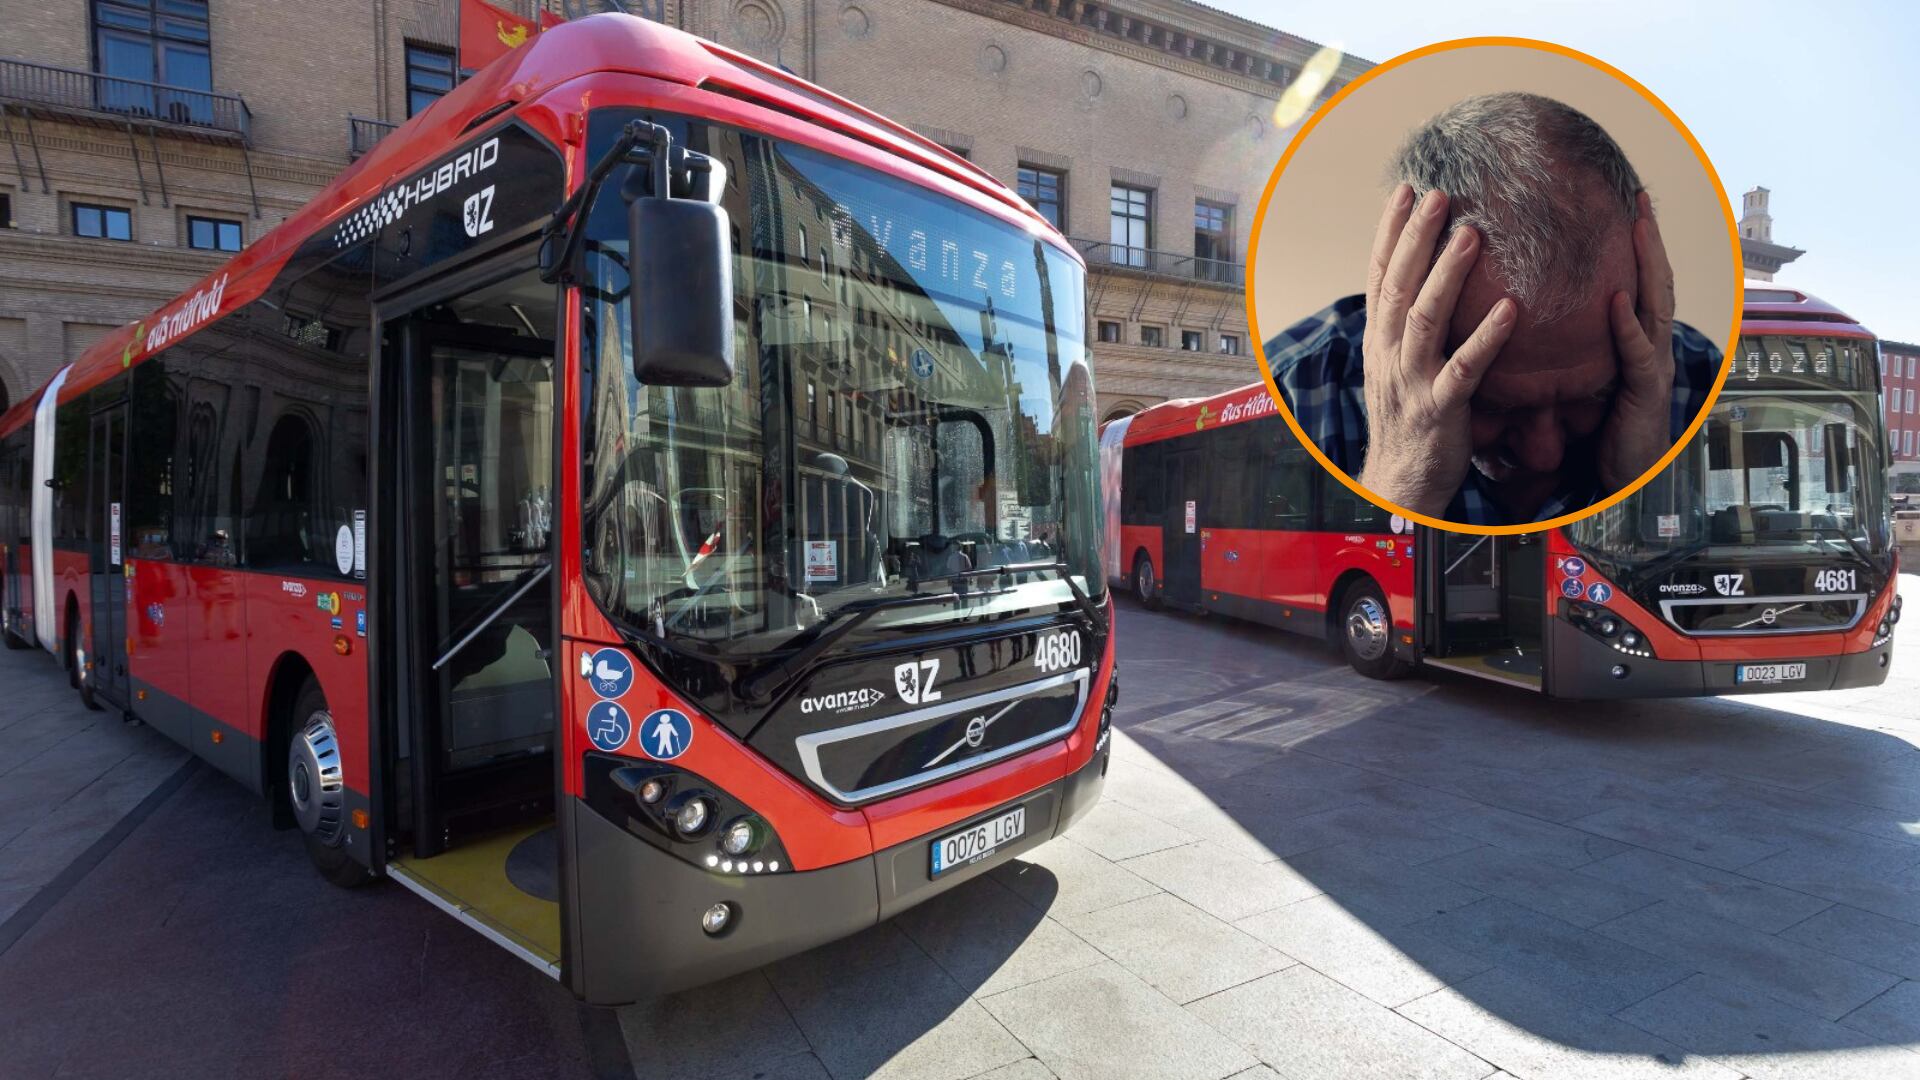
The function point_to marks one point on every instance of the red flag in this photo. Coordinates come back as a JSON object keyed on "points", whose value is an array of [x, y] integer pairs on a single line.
{"points": [[487, 33], [548, 20]]}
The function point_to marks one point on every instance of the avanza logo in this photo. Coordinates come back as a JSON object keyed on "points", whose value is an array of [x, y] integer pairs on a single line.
{"points": [[844, 701]]}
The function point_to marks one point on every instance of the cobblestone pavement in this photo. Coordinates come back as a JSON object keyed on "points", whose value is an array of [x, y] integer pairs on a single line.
{"points": [[1295, 872]]}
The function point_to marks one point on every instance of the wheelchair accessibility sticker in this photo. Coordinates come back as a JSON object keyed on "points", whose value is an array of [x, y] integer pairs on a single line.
{"points": [[608, 726]]}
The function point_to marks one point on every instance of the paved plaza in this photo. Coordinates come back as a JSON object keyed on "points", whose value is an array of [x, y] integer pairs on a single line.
{"points": [[1295, 872]]}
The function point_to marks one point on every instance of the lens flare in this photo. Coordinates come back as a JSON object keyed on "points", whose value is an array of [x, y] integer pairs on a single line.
{"points": [[1299, 95]]}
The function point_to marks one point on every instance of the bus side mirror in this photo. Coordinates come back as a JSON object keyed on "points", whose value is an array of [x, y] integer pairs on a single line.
{"points": [[1838, 460], [682, 301]]}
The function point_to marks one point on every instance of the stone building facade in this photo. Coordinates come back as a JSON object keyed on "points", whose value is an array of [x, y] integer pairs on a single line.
{"points": [[1150, 124]]}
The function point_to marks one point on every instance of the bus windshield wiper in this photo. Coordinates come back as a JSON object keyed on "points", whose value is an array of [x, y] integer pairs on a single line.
{"points": [[1668, 561], [763, 685], [1866, 554], [1080, 597]]}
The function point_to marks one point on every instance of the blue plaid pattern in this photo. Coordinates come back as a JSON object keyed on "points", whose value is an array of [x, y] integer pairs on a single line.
{"points": [[1316, 364]]}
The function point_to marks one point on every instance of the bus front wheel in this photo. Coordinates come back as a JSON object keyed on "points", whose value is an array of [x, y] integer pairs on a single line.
{"points": [[316, 792], [1366, 633], [1145, 586]]}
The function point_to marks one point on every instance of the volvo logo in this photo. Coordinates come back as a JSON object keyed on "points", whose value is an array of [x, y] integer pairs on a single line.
{"points": [[1768, 616], [976, 732]]}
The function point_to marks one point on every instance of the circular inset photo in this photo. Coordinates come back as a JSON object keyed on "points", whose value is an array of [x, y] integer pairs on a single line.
{"points": [[1495, 280]]}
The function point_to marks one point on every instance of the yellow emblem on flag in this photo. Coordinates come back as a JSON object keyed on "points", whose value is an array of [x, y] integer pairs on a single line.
{"points": [[513, 38]]}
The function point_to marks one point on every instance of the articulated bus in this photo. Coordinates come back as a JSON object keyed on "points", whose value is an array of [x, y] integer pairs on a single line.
{"points": [[647, 507], [1761, 560]]}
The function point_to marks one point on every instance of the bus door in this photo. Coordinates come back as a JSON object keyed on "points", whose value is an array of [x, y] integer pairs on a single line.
{"points": [[106, 552], [13, 497], [474, 622], [1482, 607], [1186, 486]]}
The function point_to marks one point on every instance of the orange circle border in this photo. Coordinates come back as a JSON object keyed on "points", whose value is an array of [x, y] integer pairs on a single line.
{"points": [[1260, 339]]}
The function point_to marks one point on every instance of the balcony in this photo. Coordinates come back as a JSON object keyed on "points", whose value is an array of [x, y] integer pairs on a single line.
{"points": [[1102, 255], [363, 134], [88, 96]]}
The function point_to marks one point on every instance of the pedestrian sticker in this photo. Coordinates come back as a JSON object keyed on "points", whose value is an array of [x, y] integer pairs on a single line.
{"points": [[666, 734], [1599, 592], [1573, 566], [1570, 588], [360, 622], [922, 363], [610, 672], [823, 560], [608, 726]]}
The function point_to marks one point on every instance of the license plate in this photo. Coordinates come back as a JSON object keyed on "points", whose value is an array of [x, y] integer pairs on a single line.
{"points": [[1769, 673], [976, 842]]}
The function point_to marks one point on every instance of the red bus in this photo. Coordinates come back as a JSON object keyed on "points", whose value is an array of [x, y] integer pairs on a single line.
{"points": [[1761, 560], [647, 506]]}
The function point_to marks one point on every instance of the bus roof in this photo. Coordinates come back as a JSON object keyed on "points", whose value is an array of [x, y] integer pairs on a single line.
{"points": [[1769, 308], [611, 43], [1184, 416], [1772, 308]]}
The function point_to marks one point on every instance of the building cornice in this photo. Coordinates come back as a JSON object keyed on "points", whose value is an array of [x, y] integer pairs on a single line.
{"points": [[1189, 38]]}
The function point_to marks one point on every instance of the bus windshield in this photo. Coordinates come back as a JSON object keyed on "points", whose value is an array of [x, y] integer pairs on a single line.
{"points": [[912, 409], [1772, 473]]}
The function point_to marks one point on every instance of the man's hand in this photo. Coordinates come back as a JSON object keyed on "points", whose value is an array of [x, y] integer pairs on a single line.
{"points": [[1639, 428], [1418, 442]]}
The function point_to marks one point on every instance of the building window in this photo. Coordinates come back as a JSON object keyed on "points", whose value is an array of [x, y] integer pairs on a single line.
{"points": [[6, 210], [429, 76], [1109, 332], [1230, 344], [1192, 341], [102, 222], [153, 41], [1130, 216], [1212, 240], [1046, 191], [213, 234], [1911, 361], [960, 152], [1153, 337]]}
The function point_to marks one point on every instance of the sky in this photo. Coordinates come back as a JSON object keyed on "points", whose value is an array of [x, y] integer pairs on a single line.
{"points": [[1818, 102]]}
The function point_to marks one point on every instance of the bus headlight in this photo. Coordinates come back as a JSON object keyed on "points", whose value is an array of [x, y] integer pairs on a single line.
{"points": [[738, 837], [692, 816], [1606, 626], [684, 815]]}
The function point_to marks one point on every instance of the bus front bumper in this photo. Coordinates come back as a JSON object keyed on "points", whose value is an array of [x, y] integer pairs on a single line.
{"points": [[638, 908], [1586, 668]]}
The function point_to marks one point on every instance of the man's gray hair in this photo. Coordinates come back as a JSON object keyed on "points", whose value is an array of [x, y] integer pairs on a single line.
{"points": [[1525, 171]]}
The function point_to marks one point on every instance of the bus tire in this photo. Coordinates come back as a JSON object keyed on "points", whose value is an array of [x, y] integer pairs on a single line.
{"points": [[1365, 629], [1146, 587], [315, 792]]}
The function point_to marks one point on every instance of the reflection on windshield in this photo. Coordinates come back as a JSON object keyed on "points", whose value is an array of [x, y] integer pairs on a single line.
{"points": [[912, 403], [1767, 472]]}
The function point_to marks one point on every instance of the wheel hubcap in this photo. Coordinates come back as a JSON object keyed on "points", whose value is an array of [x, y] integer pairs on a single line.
{"points": [[1367, 628], [314, 783], [1143, 581]]}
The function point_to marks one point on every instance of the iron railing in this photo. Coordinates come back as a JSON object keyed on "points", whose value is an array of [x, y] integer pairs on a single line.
{"points": [[363, 133], [1101, 253], [91, 94]]}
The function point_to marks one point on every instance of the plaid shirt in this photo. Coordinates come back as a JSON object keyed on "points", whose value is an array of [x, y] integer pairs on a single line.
{"points": [[1316, 363]]}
